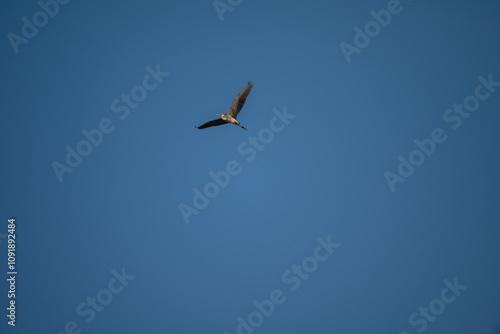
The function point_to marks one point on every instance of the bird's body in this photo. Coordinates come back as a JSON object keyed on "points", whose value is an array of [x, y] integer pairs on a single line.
{"points": [[234, 110], [230, 119]]}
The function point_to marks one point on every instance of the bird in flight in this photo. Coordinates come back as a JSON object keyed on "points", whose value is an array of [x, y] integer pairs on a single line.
{"points": [[230, 116]]}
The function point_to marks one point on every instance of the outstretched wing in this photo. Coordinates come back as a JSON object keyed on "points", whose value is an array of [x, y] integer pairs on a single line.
{"points": [[239, 101], [215, 122]]}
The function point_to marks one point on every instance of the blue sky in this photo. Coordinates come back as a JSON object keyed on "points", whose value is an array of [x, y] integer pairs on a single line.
{"points": [[320, 228]]}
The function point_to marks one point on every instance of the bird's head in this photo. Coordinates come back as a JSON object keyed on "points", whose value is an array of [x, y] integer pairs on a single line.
{"points": [[220, 115]]}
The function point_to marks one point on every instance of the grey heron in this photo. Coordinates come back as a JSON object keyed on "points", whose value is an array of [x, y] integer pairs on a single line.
{"points": [[230, 116]]}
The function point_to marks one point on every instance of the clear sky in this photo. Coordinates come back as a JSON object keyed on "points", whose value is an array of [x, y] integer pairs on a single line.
{"points": [[362, 199]]}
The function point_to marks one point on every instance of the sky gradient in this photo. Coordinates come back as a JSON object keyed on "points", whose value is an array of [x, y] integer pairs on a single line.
{"points": [[362, 199]]}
